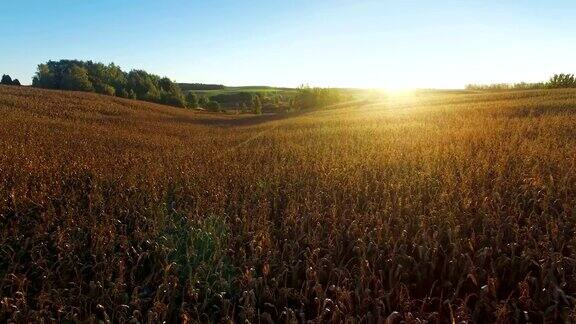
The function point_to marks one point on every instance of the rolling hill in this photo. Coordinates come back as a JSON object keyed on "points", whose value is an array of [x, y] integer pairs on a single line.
{"points": [[432, 206]]}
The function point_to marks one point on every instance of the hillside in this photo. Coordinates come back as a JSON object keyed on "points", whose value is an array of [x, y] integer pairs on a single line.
{"points": [[218, 88], [434, 206]]}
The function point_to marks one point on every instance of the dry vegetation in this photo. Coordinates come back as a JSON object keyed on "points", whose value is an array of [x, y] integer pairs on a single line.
{"points": [[438, 207]]}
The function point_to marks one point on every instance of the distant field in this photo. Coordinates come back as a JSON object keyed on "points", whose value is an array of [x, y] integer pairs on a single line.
{"points": [[253, 89], [440, 207]]}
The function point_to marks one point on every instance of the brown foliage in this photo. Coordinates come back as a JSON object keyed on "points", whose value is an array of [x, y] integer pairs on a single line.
{"points": [[437, 207]]}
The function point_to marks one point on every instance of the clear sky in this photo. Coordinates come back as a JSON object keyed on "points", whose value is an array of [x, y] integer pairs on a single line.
{"points": [[354, 43]]}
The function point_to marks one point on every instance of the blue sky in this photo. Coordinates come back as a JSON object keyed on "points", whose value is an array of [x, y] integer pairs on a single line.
{"points": [[355, 43]]}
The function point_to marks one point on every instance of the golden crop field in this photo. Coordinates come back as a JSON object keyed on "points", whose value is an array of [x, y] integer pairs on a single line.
{"points": [[431, 207]]}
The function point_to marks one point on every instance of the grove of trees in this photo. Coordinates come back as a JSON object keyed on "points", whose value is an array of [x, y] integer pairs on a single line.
{"points": [[316, 98], [234, 98], [252, 101], [7, 80], [109, 80], [562, 80], [302, 98]]}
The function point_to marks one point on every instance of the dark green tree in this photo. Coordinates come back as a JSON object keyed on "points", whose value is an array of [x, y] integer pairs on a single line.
{"points": [[173, 98], [213, 106], [165, 84], [170, 93], [144, 85], [6, 80]]}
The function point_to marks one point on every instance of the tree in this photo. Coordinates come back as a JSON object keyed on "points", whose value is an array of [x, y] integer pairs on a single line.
{"points": [[139, 82], [77, 79], [153, 95], [116, 78], [213, 106], [256, 105], [203, 101], [170, 93], [192, 100], [165, 84], [6, 80], [105, 89], [44, 77], [173, 98]]}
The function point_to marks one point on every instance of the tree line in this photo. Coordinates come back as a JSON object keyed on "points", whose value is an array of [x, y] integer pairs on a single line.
{"points": [[307, 98], [109, 80], [7, 80], [557, 81], [302, 98]]}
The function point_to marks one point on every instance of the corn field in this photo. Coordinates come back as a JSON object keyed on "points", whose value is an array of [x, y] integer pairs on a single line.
{"points": [[425, 208]]}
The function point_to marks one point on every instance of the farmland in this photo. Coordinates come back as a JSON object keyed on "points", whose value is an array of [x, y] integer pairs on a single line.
{"points": [[228, 90], [440, 207]]}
